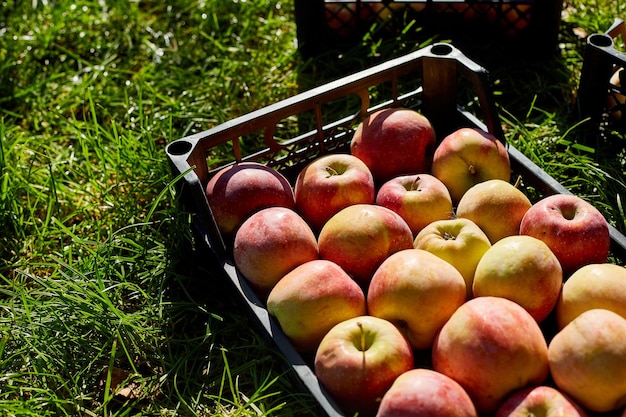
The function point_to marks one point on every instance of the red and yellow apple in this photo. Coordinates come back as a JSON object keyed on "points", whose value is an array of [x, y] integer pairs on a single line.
{"points": [[496, 206], [394, 142], [541, 400], [575, 231], [237, 191], [360, 237], [588, 360], [269, 244], [592, 286], [491, 346], [425, 393], [418, 292], [522, 269], [359, 359], [419, 199], [330, 183], [460, 242], [468, 156], [311, 299]]}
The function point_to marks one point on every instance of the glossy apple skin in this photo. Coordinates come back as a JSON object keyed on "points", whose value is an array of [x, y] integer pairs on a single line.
{"points": [[311, 299], [542, 400], [588, 360], [419, 199], [394, 142], [426, 393], [269, 244], [460, 242], [418, 292], [496, 206], [360, 237], [574, 230], [522, 269], [329, 184], [491, 346], [239, 190], [359, 359], [468, 156], [592, 286]]}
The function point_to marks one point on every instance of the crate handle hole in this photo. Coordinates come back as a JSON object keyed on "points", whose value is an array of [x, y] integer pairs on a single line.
{"points": [[441, 49], [179, 147], [600, 39]]}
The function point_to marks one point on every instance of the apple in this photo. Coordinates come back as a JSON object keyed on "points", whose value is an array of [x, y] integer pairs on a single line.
{"points": [[542, 400], [311, 299], [616, 101], [237, 191], [394, 142], [491, 346], [359, 359], [419, 199], [360, 237], [496, 206], [522, 269], [418, 292], [592, 286], [468, 156], [331, 183], [425, 393], [270, 243], [460, 242], [588, 360], [575, 231]]}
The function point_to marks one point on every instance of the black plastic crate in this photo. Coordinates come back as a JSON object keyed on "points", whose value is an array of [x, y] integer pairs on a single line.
{"points": [[528, 26], [439, 81], [602, 86]]}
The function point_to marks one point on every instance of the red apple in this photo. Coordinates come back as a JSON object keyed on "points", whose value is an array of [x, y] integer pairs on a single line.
{"points": [[311, 299], [394, 142], [468, 156], [573, 229], [542, 400], [418, 292], [237, 191], [588, 360], [270, 243], [360, 237], [491, 346], [331, 183], [460, 242], [426, 393], [359, 359], [420, 199]]}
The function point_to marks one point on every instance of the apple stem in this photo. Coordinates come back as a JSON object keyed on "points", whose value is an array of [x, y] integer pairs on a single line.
{"points": [[415, 182], [362, 339], [472, 169], [331, 171], [518, 181]]}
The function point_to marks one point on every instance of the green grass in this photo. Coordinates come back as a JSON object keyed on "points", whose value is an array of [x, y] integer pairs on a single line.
{"points": [[99, 273]]}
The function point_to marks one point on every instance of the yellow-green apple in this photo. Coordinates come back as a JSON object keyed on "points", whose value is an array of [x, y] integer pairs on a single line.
{"points": [[237, 191], [468, 156], [496, 206], [418, 292], [358, 360], [423, 392], [592, 286], [420, 199], [588, 360], [492, 347], [394, 142], [360, 237], [575, 231], [271, 243], [522, 269], [541, 400], [311, 299], [460, 242], [329, 184]]}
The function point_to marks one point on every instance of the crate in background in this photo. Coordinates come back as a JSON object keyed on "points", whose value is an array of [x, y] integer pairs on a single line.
{"points": [[601, 93], [530, 27]]}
